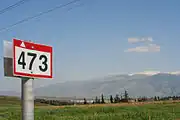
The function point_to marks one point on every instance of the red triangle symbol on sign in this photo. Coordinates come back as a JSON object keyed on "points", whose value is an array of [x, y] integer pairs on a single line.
{"points": [[22, 44]]}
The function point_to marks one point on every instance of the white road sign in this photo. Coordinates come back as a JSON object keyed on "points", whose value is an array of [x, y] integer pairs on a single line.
{"points": [[32, 60]]}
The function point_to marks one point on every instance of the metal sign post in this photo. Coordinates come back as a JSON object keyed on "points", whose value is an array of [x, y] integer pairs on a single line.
{"points": [[27, 60], [27, 99]]}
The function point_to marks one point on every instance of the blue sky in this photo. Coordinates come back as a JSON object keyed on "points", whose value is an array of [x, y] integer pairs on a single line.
{"points": [[89, 41]]}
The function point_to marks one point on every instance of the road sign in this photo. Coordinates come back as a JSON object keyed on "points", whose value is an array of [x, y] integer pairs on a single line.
{"points": [[31, 60]]}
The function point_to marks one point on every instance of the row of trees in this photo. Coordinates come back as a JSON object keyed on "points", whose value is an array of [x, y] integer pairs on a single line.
{"points": [[101, 100], [112, 99], [126, 98]]}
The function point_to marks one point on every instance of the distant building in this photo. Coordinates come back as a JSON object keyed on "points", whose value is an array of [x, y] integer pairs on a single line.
{"points": [[81, 101]]}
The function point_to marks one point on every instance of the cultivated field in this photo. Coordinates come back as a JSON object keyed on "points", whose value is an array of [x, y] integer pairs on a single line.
{"points": [[159, 111]]}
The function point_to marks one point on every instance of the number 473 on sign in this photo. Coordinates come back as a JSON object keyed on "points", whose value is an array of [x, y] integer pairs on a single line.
{"points": [[32, 60]]}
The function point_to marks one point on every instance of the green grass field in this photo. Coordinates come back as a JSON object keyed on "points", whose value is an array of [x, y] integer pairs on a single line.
{"points": [[168, 111]]}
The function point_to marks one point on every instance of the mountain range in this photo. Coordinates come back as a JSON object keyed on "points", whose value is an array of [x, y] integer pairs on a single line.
{"points": [[138, 84], [10, 93]]}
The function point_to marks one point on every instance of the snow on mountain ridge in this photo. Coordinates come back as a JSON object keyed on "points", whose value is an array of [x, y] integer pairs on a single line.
{"points": [[151, 73]]}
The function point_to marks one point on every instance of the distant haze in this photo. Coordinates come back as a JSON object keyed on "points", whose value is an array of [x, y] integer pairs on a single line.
{"points": [[160, 84]]}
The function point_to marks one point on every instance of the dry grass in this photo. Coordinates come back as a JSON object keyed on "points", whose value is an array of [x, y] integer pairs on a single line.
{"points": [[120, 104]]}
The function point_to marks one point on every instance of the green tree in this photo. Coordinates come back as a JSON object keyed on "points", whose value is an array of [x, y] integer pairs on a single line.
{"points": [[155, 98], [102, 98], [96, 100], [158, 98], [111, 99], [116, 99], [85, 101], [126, 95]]}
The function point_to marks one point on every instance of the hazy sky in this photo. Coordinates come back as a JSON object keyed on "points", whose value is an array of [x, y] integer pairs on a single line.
{"points": [[91, 40]]}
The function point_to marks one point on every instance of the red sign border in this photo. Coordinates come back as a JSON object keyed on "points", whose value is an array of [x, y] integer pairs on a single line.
{"points": [[42, 48]]}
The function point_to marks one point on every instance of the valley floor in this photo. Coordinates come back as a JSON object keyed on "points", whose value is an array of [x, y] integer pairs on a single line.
{"points": [[158, 111]]}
